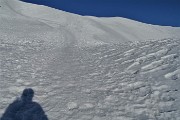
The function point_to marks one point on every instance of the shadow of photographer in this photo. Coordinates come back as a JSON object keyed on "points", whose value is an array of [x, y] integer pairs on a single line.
{"points": [[24, 108]]}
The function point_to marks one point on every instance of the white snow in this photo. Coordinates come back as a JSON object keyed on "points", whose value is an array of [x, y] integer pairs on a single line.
{"points": [[88, 68], [173, 75], [72, 105], [86, 106], [152, 65]]}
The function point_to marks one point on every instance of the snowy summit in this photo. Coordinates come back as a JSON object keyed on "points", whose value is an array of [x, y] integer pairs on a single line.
{"points": [[88, 68]]}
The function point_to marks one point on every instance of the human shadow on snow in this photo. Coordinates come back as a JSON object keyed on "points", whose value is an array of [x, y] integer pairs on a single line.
{"points": [[24, 108]]}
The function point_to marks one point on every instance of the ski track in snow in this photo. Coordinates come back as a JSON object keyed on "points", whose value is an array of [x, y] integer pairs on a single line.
{"points": [[106, 82]]}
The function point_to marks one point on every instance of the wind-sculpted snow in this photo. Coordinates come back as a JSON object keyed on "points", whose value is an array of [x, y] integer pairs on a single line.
{"points": [[88, 68], [118, 82]]}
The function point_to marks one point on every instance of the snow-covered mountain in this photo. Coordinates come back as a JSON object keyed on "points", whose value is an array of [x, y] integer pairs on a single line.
{"points": [[23, 18], [88, 68]]}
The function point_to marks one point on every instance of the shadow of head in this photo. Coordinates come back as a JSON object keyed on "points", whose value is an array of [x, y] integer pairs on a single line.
{"points": [[27, 95]]}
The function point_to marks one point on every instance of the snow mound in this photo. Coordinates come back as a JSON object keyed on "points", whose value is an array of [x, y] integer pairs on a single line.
{"points": [[42, 22]]}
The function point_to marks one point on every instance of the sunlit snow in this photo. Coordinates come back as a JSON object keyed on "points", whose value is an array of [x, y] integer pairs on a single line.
{"points": [[88, 68]]}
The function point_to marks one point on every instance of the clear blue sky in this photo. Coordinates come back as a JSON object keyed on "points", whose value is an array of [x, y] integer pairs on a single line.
{"points": [[159, 12]]}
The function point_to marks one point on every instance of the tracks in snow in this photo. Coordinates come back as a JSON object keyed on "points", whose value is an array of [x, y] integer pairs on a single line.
{"points": [[118, 82]]}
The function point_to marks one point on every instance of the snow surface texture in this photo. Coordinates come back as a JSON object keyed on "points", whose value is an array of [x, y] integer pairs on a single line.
{"points": [[88, 68]]}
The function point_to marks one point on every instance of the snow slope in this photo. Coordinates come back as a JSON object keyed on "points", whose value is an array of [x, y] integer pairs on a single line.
{"points": [[88, 68]]}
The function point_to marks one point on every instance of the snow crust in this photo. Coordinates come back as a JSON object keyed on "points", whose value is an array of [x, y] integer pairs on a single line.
{"points": [[88, 68]]}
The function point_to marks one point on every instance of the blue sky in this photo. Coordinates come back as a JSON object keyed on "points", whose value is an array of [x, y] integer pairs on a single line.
{"points": [[159, 12]]}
